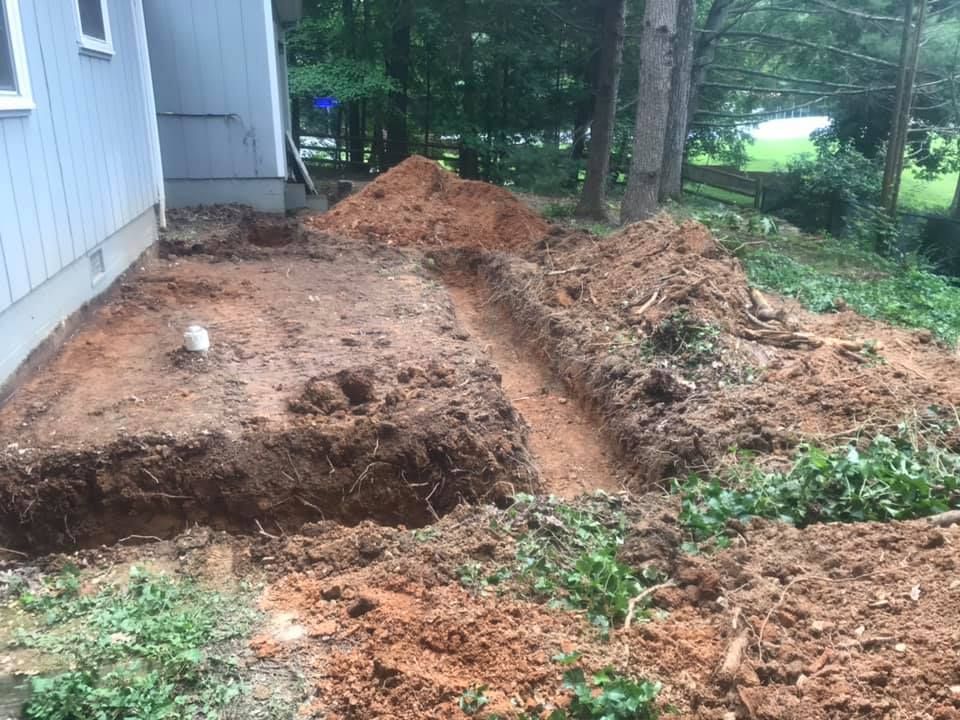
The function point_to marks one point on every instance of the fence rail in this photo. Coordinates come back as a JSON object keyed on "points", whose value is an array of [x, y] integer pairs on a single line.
{"points": [[727, 180]]}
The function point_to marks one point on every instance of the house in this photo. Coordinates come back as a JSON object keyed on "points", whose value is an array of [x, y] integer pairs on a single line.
{"points": [[220, 76], [82, 153]]}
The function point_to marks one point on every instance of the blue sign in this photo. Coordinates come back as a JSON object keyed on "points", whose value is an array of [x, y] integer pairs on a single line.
{"points": [[325, 103]]}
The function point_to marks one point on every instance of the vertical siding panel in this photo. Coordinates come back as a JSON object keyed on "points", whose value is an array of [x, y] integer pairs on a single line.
{"points": [[160, 17], [6, 299], [43, 220], [207, 44], [189, 75], [44, 168], [14, 250], [251, 40], [62, 48], [137, 137], [237, 97], [101, 142], [59, 160], [26, 205]]}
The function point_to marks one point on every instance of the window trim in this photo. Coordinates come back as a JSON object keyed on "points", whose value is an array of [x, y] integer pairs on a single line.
{"points": [[17, 101], [90, 45]]}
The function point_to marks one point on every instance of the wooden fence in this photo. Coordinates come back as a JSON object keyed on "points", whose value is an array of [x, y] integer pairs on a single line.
{"points": [[726, 179]]}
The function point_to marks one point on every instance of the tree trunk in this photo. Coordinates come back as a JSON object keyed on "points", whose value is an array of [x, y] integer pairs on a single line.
{"points": [[354, 141], [398, 69], [956, 202], [705, 48], [469, 150], [671, 184], [593, 200], [653, 108], [906, 81]]}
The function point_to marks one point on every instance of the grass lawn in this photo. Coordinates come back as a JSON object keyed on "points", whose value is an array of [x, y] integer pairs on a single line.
{"points": [[916, 193]]}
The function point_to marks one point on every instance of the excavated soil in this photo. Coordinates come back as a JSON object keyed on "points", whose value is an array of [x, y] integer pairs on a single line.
{"points": [[338, 385], [594, 305], [349, 393], [417, 203]]}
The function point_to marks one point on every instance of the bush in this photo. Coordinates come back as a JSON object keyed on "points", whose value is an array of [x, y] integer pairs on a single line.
{"points": [[541, 169], [836, 191]]}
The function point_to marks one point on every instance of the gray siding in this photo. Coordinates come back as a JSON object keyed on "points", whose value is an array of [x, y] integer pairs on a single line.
{"points": [[215, 80], [79, 167]]}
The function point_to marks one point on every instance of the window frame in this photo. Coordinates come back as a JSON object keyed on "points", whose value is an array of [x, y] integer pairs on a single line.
{"points": [[19, 101], [90, 45]]}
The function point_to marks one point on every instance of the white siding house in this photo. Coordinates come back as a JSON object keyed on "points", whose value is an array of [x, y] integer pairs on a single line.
{"points": [[81, 166], [79, 160], [220, 77]]}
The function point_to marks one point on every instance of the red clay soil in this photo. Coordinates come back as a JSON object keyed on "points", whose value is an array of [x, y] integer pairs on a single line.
{"points": [[837, 621], [418, 203], [596, 303], [567, 442], [338, 385]]}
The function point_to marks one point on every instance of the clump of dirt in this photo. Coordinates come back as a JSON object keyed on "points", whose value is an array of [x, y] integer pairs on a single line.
{"points": [[727, 379], [419, 203]]}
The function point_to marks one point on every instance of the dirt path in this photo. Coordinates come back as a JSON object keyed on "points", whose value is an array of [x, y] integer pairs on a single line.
{"points": [[572, 455]]}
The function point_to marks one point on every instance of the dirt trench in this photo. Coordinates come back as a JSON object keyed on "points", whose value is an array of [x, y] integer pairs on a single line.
{"points": [[566, 439]]}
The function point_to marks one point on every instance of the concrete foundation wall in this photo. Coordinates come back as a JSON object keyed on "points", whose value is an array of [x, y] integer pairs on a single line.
{"points": [[28, 322], [264, 194]]}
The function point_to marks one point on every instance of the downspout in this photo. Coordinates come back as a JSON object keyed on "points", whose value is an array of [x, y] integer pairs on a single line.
{"points": [[150, 103]]}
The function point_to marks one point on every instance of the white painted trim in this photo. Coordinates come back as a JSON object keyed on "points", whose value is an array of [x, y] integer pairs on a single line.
{"points": [[150, 103], [21, 101], [279, 135], [92, 45]]}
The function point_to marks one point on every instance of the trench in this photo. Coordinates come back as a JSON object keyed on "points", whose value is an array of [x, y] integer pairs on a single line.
{"points": [[567, 442], [510, 426]]}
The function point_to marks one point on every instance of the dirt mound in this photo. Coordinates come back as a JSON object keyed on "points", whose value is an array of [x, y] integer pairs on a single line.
{"points": [[419, 203], [657, 326]]}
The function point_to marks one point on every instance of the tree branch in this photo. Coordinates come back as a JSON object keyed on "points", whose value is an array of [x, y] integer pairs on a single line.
{"points": [[772, 37], [792, 91], [855, 13], [786, 78]]}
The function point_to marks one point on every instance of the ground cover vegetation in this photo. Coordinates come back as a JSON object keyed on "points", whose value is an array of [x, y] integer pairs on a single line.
{"points": [[152, 648]]}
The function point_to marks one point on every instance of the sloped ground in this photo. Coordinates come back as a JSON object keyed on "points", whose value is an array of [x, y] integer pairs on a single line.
{"points": [[662, 360]]}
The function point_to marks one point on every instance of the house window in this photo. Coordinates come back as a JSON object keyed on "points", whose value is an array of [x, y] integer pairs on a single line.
{"points": [[15, 93], [93, 22]]}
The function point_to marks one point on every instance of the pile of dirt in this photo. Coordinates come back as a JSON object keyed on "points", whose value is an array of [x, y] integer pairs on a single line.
{"points": [[599, 306], [419, 203]]}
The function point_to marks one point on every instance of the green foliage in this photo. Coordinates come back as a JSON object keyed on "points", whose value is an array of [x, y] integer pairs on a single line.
{"points": [[683, 337], [568, 555], [892, 479], [474, 699], [839, 187], [559, 211], [345, 79], [609, 697], [146, 651], [908, 296], [541, 169]]}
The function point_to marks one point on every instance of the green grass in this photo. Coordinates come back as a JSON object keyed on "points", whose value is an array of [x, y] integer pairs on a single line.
{"points": [[151, 650], [916, 194]]}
